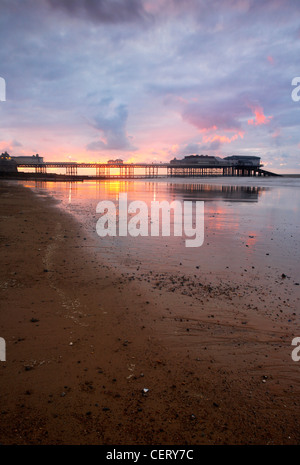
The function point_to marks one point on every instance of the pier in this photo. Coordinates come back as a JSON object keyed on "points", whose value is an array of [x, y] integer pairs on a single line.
{"points": [[148, 170]]}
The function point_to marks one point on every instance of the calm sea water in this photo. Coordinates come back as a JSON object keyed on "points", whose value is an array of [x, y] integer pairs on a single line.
{"points": [[248, 223]]}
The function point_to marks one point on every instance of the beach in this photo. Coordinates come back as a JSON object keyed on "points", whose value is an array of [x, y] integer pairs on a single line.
{"points": [[97, 355]]}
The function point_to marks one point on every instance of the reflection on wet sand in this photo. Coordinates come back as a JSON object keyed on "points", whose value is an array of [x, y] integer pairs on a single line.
{"points": [[244, 220], [214, 192], [196, 191], [186, 191]]}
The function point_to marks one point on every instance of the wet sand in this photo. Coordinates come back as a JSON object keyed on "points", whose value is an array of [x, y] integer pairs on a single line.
{"points": [[97, 356]]}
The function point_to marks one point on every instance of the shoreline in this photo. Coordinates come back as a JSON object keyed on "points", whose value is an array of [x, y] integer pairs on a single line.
{"points": [[84, 341], [54, 177]]}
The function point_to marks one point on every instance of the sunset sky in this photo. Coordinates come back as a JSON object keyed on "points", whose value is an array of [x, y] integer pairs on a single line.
{"points": [[150, 80]]}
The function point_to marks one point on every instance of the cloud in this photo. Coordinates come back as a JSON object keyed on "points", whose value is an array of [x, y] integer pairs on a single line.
{"points": [[219, 121], [207, 118], [199, 75], [260, 118], [16, 143], [111, 121], [212, 144], [197, 148], [104, 11], [9, 146], [221, 139]]}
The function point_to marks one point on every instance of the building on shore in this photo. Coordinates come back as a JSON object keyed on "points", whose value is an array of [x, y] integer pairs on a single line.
{"points": [[7, 164], [209, 160], [118, 161], [244, 160], [198, 160], [33, 160]]}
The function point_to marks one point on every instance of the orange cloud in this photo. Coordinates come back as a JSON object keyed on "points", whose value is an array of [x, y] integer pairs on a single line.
{"points": [[223, 139], [260, 118]]}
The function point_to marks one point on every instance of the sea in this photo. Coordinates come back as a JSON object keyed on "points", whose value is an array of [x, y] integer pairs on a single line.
{"points": [[249, 225]]}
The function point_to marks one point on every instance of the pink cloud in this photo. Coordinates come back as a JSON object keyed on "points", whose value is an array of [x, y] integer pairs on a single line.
{"points": [[260, 118], [223, 139]]}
